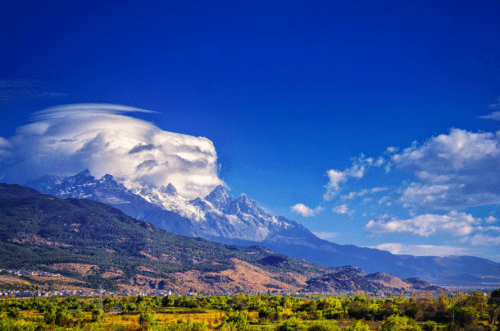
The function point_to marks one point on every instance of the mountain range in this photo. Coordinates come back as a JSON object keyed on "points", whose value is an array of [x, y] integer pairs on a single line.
{"points": [[93, 244], [222, 218]]}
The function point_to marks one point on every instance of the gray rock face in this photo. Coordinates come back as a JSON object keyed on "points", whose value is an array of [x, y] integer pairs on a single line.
{"points": [[219, 198]]}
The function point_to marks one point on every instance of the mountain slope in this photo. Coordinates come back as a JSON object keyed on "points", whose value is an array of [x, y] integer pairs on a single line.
{"points": [[217, 215], [222, 218], [97, 244], [38, 230]]}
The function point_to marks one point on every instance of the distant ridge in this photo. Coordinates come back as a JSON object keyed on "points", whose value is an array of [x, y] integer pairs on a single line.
{"points": [[222, 218], [93, 243]]}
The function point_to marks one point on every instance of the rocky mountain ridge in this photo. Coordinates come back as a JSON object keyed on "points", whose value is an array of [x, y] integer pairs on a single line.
{"points": [[94, 243], [222, 218], [216, 215]]}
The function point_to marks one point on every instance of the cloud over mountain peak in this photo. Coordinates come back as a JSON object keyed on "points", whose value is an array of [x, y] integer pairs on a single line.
{"points": [[65, 139]]}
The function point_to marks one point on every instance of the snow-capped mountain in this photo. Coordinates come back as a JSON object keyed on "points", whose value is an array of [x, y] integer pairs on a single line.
{"points": [[216, 215], [222, 218]]}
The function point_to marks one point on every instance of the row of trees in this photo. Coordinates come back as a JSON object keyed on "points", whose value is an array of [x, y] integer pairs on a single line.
{"points": [[472, 311]]}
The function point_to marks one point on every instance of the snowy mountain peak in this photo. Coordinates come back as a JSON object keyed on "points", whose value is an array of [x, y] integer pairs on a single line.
{"points": [[106, 179], [85, 174], [108, 182], [219, 198], [218, 215], [247, 206], [80, 178], [170, 190]]}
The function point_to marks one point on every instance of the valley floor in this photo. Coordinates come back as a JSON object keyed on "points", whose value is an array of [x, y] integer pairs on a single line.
{"points": [[360, 312]]}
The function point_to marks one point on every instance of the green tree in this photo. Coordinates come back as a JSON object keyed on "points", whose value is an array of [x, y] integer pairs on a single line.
{"points": [[14, 313], [358, 326], [63, 318], [292, 324], [323, 327], [265, 312], [49, 316], [429, 326], [400, 323], [148, 318], [97, 315], [235, 321]]}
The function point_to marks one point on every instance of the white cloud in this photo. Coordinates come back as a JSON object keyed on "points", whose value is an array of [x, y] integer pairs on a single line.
{"points": [[68, 139], [488, 228], [454, 223], [357, 170], [392, 149], [495, 105], [491, 219], [380, 161], [421, 250], [325, 235], [4, 146], [333, 187], [343, 209], [388, 167], [384, 199], [453, 171], [306, 211], [361, 193], [493, 116], [484, 240]]}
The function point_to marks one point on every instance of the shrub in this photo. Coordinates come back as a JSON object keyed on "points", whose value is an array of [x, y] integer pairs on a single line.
{"points": [[97, 315], [293, 324], [398, 323], [14, 313], [147, 318], [63, 318], [323, 327], [358, 326], [429, 326]]}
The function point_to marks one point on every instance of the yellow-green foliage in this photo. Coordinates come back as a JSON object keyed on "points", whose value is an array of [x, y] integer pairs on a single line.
{"points": [[472, 311]]}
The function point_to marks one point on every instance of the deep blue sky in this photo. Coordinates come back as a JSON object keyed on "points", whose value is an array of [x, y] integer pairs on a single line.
{"points": [[286, 90]]}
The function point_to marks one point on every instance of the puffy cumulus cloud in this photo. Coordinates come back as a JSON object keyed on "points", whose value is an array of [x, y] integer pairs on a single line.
{"points": [[454, 171], [325, 235], [357, 170], [68, 139], [421, 250], [306, 211], [454, 223], [343, 209]]}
